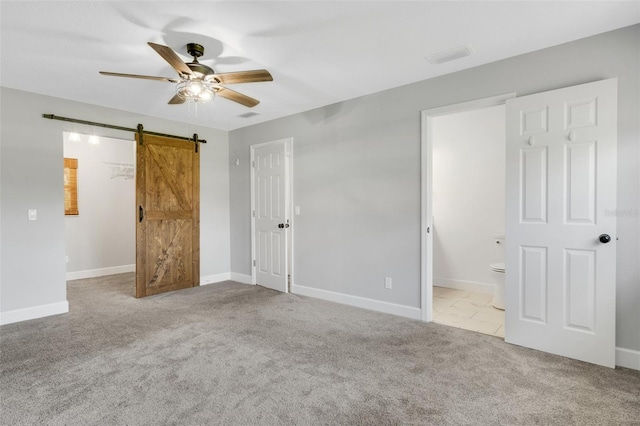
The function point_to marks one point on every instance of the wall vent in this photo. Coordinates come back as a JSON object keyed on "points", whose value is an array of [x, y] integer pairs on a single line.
{"points": [[450, 54], [248, 114]]}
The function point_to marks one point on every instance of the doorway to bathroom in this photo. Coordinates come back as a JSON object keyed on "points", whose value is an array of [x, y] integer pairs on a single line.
{"points": [[560, 280], [465, 215], [468, 196]]}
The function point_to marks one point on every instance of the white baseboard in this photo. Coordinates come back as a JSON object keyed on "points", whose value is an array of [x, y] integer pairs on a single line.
{"points": [[474, 286], [357, 301], [91, 273], [215, 278], [628, 358], [241, 278], [34, 312]]}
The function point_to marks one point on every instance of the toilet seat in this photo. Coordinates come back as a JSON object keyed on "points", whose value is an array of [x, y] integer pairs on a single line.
{"points": [[497, 267]]}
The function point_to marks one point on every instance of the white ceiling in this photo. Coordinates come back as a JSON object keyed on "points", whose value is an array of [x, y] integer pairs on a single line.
{"points": [[319, 52]]}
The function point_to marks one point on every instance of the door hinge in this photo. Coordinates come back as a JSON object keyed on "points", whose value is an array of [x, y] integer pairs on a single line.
{"points": [[254, 263], [428, 228], [253, 213], [253, 164], [289, 283]]}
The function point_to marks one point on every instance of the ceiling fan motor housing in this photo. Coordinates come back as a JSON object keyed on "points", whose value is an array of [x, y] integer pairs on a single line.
{"points": [[196, 50], [202, 71]]}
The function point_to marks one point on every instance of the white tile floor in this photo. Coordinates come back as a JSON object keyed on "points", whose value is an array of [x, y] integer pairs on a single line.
{"points": [[464, 309]]}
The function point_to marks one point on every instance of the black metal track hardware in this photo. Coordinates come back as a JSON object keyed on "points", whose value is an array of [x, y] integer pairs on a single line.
{"points": [[139, 129]]}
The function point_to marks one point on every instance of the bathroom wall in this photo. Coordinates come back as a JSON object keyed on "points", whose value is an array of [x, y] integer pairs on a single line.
{"points": [[100, 240], [468, 196]]}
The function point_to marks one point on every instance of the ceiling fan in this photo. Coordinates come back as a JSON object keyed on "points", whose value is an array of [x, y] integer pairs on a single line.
{"points": [[199, 83]]}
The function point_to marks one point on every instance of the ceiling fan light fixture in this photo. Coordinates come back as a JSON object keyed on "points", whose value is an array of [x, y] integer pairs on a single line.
{"points": [[196, 90], [198, 82], [206, 96]]}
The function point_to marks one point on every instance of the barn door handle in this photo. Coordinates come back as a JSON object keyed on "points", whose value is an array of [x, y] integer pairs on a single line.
{"points": [[140, 213], [604, 238]]}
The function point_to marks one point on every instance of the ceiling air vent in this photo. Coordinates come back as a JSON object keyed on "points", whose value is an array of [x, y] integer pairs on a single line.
{"points": [[450, 54], [248, 114]]}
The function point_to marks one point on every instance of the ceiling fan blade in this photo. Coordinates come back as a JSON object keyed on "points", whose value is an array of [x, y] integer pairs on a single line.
{"points": [[244, 77], [237, 97], [145, 77], [176, 100], [172, 57]]}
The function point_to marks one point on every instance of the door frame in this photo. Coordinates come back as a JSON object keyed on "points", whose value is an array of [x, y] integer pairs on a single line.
{"points": [[288, 184], [426, 191]]}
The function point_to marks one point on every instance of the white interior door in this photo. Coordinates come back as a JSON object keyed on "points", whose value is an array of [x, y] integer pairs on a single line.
{"points": [[271, 224], [561, 182]]}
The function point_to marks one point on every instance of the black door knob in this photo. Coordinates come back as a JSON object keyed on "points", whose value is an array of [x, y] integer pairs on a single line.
{"points": [[281, 225], [604, 238]]}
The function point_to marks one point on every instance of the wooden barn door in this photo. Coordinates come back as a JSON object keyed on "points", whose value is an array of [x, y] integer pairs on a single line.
{"points": [[168, 221]]}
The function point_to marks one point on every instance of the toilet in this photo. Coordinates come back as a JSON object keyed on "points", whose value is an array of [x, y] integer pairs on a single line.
{"points": [[497, 272]]}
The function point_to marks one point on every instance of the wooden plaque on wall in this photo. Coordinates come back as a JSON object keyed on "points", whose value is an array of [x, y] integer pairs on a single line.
{"points": [[71, 186]]}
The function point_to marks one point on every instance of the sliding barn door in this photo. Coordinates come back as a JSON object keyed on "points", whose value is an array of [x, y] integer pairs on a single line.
{"points": [[168, 216], [561, 233]]}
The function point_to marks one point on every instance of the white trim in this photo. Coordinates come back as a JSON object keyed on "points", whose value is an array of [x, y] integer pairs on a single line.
{"points": [[241, 278], [288, 150], [291, 213], [34, 312], [473, 286], [628, 358], [358, 302], [426, 147], [215, 278], [91, 273]]}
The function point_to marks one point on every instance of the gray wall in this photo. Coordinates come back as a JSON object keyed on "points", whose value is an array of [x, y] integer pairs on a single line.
{"points": [[357, 173], [33, 252]]}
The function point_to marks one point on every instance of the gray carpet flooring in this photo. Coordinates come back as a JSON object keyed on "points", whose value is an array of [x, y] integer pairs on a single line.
{"points": [[234, 354]]}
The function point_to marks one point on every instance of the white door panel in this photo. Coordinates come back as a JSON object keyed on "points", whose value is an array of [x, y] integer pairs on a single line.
{"points": [[561, 172], [270, 206]]}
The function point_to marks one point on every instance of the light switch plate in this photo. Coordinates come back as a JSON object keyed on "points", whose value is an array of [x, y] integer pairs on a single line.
{"points": [[388, 283], [297, 210], [33, 214]]}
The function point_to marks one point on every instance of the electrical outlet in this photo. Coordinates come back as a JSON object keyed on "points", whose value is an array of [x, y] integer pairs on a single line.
{"points": [[388, 283]]}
